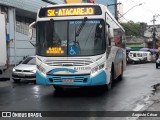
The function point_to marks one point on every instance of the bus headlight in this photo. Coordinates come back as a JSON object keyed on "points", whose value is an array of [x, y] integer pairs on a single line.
{"points": [[41, 69], [96, 69]]}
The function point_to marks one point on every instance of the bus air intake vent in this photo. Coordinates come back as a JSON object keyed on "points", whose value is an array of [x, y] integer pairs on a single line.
{"points": [[71, 62]]}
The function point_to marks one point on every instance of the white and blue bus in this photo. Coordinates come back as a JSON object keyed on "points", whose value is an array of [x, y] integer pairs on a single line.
{"points": [[78, 45]]}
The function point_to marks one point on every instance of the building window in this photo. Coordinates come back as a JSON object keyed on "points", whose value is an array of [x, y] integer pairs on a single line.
{"points": [[22, 25]]}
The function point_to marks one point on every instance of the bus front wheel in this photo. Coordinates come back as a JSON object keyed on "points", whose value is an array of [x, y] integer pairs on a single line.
{"points": [[58, 88], [121, 76], [109, 85]]}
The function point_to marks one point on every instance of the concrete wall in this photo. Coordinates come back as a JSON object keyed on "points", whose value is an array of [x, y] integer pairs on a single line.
{"points": [[3, 55], [11, 32], [18, 46]]}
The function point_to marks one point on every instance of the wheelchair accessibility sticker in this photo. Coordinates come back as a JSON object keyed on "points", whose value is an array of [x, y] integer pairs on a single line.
{"points": [[72, 50]]}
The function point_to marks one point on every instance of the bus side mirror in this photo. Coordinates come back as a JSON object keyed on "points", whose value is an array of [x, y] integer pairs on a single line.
{"points": [[30, 32], [110, 35]]}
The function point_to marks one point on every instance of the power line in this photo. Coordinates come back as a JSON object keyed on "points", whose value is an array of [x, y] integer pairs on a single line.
{"points": [[144, 8], [129, 29], [130, 24]]}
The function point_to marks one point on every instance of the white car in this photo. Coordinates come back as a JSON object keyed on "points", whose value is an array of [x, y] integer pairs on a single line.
{"points": [[26, 70], [137, 57]]}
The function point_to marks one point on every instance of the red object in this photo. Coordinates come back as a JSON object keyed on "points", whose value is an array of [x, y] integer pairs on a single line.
{"points": [[91, 1], [116, 40]]}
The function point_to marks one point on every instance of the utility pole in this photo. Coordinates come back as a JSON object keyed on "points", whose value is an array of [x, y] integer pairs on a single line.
{"points": [[116, 15], [154, 30], [116, 12]]}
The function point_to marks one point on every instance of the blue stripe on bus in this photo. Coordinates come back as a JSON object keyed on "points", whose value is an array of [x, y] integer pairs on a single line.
{"points": [[99, 79], [40, 79]]}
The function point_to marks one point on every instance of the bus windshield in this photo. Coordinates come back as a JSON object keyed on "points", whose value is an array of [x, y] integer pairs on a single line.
{"points": [[59, 38]]}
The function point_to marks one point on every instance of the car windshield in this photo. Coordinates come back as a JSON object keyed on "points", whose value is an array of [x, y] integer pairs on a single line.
{"points": [[29, 61], [139, 55], [70, 38]]}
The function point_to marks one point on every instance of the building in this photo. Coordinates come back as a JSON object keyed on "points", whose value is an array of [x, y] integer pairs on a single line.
{"points": [[148, 34], [19, 14], [146, 39], [135, 43]]}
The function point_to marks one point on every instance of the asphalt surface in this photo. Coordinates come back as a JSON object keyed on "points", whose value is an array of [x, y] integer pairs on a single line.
{"points": [[130, 94]]}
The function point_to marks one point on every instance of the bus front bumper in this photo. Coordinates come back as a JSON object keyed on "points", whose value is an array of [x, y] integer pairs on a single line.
{"points": [[74, 80]]}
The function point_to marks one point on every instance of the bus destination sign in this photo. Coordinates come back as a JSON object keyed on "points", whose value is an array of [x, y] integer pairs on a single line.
{"points": [[70, 11]]}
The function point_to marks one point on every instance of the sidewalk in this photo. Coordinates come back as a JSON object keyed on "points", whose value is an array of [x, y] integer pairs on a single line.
{"points": [[156, 104], [6, 75], [5, 78]]}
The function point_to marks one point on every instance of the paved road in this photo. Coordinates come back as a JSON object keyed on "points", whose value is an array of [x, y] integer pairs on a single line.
{"points": [[129, 94]]}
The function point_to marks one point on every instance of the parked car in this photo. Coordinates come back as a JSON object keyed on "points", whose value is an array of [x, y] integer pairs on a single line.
{"points": [[158, 62], [137, 57], [26, 70]]}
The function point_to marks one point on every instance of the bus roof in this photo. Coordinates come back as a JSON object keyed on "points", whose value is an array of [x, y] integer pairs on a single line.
{"points": [[75, 4]]}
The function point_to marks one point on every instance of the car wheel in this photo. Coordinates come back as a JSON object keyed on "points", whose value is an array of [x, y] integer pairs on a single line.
{"points": [[16, 80], [1, 72], [34, 81], [133, 62]]}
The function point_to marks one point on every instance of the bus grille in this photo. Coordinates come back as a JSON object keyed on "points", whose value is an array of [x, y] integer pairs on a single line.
{"points": [[75, 79], [71, 62]]}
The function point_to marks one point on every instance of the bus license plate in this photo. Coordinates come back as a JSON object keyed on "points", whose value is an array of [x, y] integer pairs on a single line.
{"points": [[68, 80]]}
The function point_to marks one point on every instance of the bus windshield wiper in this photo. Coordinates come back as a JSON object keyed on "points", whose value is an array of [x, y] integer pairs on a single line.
{"points": [[81, 26]]}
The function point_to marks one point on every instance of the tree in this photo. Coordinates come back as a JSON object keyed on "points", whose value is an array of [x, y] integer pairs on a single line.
{"points": [[132, 28]]}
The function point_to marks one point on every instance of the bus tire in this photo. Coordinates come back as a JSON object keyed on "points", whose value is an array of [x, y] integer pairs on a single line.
{"points": [[109, 85], [121, 76], [58, 88]]}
